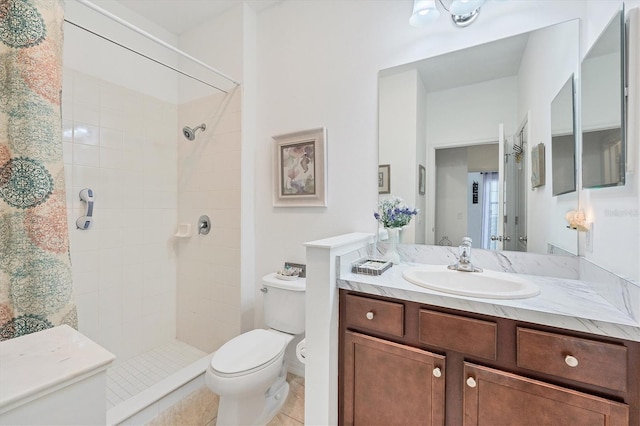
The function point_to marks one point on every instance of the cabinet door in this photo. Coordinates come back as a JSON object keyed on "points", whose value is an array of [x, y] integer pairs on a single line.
{"points": [[494, 397], [387, 383]]}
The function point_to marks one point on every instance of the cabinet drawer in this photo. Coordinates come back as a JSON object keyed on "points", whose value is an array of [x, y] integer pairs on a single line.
{"points": [[375, 315], [461, 334], [573, 358]]}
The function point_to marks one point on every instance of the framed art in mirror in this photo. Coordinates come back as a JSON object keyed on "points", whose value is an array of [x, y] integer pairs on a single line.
{"points": [[384, 179], [300, 169]]}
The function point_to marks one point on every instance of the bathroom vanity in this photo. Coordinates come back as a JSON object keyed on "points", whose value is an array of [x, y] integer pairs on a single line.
{"points": [[403, 362], [410, 355]]}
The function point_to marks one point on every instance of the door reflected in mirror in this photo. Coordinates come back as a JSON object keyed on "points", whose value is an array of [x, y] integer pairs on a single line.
{"points": [[467, 191], [603, 108], [563, 140]]}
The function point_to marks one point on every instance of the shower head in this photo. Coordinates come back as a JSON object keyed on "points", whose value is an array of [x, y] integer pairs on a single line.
{"points": [[190, 133]]}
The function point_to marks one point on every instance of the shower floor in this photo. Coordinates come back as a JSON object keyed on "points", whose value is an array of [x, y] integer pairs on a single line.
{"points": [[141, 372]]}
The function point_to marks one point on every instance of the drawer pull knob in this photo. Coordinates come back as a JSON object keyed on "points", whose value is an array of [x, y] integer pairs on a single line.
{"points": [[471, 382], [571, 361], [437, 372], [369, 315]]}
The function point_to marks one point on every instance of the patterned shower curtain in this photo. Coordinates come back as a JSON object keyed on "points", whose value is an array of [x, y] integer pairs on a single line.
{"points": [[35, 269]]}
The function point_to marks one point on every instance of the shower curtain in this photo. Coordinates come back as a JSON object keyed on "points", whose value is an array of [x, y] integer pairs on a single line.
{"points": [[35, 269]]}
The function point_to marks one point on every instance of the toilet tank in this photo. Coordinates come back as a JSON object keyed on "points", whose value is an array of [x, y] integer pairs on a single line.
{"points": [[284, 304]]}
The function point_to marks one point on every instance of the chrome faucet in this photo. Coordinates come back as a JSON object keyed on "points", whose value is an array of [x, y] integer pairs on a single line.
{"points": [[464, 260]]}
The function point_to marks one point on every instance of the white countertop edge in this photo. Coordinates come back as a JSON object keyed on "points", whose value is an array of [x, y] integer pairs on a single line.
{"points": [[629, 329], [18, 400], [341, 240]]}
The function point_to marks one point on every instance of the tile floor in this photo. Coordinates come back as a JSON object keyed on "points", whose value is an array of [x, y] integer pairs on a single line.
{"points": [[138, 373], [201, 407]]}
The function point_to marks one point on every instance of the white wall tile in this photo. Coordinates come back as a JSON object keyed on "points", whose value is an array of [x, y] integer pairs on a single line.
{"points": [[89, 314], [125, 146], [85, 133], [86, 113], [111, 138], [85, 155]]}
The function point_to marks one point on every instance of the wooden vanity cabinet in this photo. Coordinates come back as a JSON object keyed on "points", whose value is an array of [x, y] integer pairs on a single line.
{"points": [[377, 372], [407, 363], [495, 397]]}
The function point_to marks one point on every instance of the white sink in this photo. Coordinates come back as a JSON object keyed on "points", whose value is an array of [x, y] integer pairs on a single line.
{"points": [[486, 284]]}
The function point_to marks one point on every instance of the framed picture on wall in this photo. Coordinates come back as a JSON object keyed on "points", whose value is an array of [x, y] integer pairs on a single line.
{"points": [[300, 169], [422, 179], [537, 166], [384, 179]]}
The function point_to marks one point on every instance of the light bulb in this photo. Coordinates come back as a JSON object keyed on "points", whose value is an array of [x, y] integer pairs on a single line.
{"points": [[424, 12], [464, 7]]}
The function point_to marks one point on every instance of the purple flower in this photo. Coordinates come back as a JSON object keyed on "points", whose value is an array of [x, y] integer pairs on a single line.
{"points": [[393, 213]]}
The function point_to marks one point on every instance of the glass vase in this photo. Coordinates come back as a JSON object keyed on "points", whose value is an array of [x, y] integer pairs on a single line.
{"points": [[392, 246]]}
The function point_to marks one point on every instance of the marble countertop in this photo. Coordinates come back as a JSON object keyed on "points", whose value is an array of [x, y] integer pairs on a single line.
{"points": [[562, 302]]}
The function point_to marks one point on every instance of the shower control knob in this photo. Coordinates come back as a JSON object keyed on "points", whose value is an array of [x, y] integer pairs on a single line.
{"points": [[370, 315]]}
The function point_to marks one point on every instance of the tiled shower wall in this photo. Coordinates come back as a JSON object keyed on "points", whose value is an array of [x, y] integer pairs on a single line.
{"points": [[122, 144], [208, 291]]}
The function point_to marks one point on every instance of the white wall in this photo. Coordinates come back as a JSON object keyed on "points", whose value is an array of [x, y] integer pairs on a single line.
{"points": [[228, 43], [121, 144], [119, 131], [615, 212], [451, 194], [93, 55], [470, 114], [208, 280], [539, 83], [398, 133], [122, 122], [317, 66], [461, 116]]}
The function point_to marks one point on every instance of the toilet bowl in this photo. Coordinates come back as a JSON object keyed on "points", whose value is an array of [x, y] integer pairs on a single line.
{"points": [[248, 372]]}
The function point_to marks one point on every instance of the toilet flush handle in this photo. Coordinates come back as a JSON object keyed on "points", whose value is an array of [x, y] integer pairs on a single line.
{"points": [[264, 289]]}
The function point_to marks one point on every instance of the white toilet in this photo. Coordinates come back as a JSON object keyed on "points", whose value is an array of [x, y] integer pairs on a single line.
{"points": [[248, 372]]}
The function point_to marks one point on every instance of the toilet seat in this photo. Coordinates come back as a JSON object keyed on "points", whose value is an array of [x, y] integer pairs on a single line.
{"points": [[248, 352]]}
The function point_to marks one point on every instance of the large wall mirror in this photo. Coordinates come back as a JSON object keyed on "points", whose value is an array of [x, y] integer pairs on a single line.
{"points": [[603, 108], [468, 117], [563, 140]]}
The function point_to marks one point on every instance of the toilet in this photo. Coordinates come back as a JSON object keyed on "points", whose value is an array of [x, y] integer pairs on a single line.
{"points": [[248, 372]]}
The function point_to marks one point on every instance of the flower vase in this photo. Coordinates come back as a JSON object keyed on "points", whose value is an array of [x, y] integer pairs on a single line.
{"points": [[392, 254]]}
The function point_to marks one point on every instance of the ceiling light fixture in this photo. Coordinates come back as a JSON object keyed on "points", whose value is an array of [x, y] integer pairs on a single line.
{"points": [[463, 12]]}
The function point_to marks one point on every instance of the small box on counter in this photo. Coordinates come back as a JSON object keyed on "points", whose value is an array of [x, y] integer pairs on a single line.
{"points": [[371, 266]]}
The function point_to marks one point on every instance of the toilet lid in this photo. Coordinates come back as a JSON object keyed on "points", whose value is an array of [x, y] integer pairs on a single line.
{"points": [[248, 351]]}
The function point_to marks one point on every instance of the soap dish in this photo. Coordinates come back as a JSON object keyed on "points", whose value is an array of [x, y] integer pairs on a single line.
{"points": [[371, 266], [288, 274], [286, 277]]}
